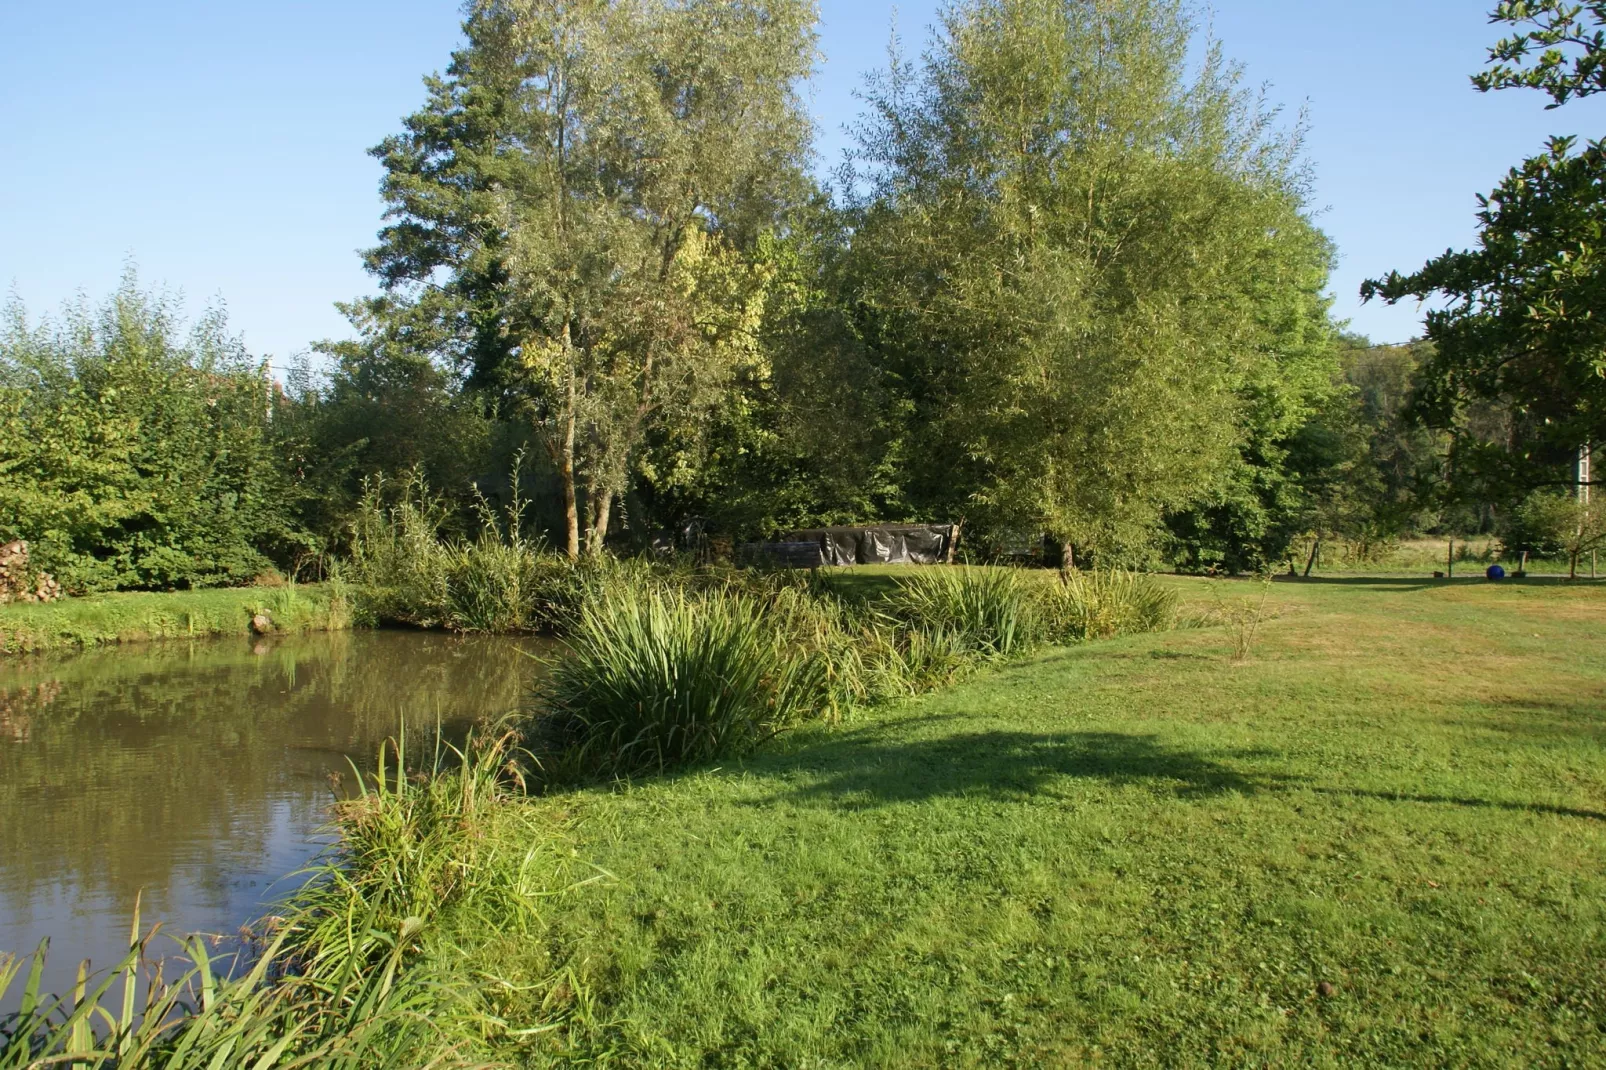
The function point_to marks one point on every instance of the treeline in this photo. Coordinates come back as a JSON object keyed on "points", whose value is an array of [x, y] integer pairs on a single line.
{"points": [[1065, 289]]}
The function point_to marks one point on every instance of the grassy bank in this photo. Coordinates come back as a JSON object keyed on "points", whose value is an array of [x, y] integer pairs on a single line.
{"points": [[1370, 830], [1381, 839], [100, 619]]}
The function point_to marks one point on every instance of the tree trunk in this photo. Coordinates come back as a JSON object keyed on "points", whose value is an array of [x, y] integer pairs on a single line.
{"points": [[598, 535], [571, 510], [1315, 548], [1067, 556]]}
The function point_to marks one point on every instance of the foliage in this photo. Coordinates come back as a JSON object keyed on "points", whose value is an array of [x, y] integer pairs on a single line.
{"points": [[1548, 522], [1092, 604], [808, 436], [1523, 316], [376, 413], [579, 217], [655, 679], [1352, 465], [133, 458], [1077, 261], [405, 569], [1571, 42]]}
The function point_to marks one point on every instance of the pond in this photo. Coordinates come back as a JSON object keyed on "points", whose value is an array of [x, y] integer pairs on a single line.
{"points": [[199, 775]]}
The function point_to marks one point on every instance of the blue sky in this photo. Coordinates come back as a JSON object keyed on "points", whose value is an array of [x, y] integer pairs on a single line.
{"points": [[221, 146]]}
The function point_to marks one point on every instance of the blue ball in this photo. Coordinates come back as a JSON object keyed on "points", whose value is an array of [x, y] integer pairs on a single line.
{"points": [[1496, 572]]}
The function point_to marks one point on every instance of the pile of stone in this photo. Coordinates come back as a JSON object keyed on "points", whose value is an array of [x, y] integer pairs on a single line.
{"points": [[16, 584]]}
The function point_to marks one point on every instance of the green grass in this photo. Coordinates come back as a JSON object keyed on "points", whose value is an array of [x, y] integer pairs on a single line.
{"points": [[99, 619], [1378, 840]]}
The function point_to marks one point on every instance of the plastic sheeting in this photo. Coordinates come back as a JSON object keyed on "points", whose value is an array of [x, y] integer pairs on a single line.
{"points": [[879, 544]]}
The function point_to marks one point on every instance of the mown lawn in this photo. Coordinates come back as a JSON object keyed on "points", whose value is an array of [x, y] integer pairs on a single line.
{"points": [[1379, 841]]}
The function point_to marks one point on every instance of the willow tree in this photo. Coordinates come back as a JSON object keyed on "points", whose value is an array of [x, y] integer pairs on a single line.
{"points": [[580, 214], [1084, 265]]}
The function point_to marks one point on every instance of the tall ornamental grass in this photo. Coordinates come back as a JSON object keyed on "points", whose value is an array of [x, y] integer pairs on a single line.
{"points": [[656, 678], [1104, 604], [985, 609]]}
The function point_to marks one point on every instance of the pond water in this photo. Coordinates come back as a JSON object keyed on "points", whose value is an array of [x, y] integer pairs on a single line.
{"points": [[198, 775]]}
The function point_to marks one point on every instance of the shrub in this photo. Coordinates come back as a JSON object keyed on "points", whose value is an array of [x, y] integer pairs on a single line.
{"points": [[657, 678], [133, 457], [398, 562], [1550, 522], [1104, 604]]}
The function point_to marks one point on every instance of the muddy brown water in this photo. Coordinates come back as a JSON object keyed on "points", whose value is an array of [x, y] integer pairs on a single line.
{"points": [[198, 776]]}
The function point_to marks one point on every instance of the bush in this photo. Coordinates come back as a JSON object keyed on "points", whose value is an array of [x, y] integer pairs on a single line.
{"points": [[133, 457], [1101, 605], [659, 678], [1548, 522]]}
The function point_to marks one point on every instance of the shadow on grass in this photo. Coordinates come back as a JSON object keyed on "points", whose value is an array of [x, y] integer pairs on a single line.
{"points": [[1456, 800], [864, 768], [1544, 721]]}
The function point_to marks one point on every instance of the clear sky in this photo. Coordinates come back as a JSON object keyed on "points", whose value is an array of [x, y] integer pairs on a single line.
{"points": [[220, 146]]}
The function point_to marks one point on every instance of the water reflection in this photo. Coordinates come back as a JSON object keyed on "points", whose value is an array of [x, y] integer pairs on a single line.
{"points": [[199, 773]]}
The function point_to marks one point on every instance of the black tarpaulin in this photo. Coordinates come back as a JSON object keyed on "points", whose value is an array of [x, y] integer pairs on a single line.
{"points": [[888, 544]]}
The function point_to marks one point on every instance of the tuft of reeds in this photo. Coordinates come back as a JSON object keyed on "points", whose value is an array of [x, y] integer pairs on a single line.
{"points": [[981, 609], [657, 677], [1103, 604], [203, 1018]]}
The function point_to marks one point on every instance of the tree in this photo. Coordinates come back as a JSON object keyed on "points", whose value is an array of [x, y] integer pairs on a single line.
{"points": [[1572, 48], [1525, 323], [808, 435], [1570, 523], [1080, 267], [607, 175]]}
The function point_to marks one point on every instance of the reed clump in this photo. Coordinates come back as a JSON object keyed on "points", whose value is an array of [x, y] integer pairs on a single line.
{"points": [[656, 678], [1103, 604], [403, 570], [984, 610], [666, 670]]}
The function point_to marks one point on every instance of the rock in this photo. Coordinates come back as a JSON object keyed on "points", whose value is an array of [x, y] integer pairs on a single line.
{"points": [[15, 582], [262, 624]]}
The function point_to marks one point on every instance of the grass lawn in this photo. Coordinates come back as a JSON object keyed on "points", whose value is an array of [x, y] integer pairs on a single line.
{"points": [[1379, 841], [99, 619]]}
